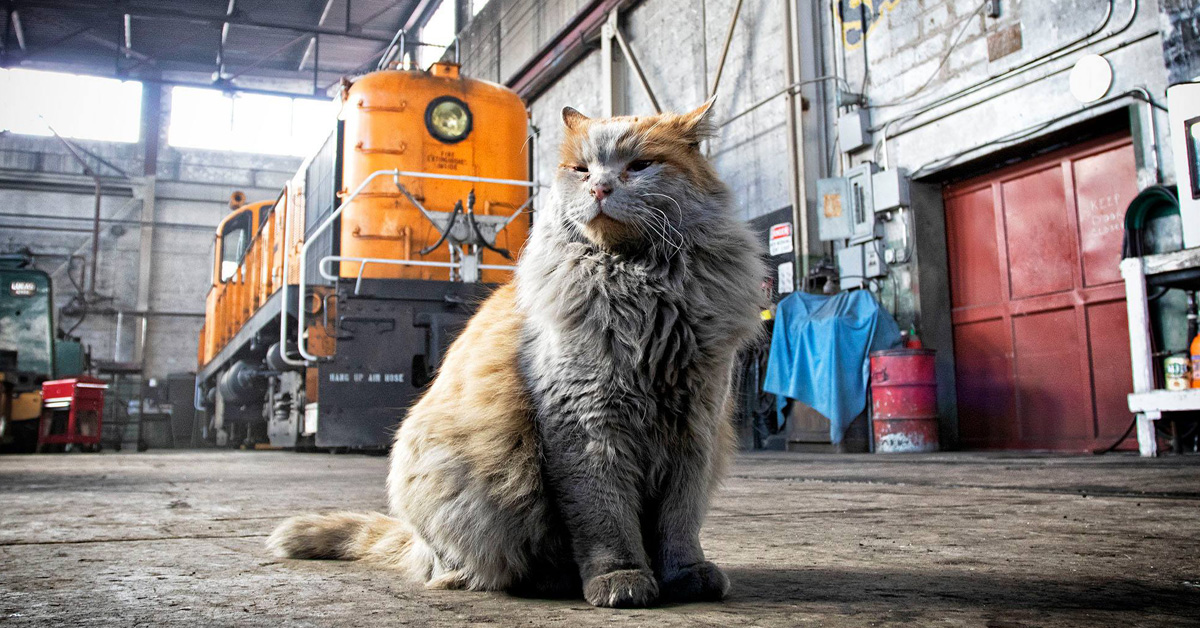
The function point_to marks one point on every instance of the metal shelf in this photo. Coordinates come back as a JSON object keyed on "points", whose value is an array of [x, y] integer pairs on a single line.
{"points": [[1179, 269]]}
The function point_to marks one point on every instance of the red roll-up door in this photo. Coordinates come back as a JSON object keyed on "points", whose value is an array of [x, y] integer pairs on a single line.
{"points": [[1041, 345]]}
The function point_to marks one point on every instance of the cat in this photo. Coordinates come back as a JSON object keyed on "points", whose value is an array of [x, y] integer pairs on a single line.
{"points": [[580, 423]]}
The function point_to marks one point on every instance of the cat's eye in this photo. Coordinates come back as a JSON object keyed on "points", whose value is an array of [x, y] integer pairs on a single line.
{"points": [[639, 165], [579, 168]]}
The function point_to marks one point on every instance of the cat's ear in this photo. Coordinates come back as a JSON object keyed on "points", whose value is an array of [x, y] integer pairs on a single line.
{"points": [[698, 123], [572, 118], [703, 112]]}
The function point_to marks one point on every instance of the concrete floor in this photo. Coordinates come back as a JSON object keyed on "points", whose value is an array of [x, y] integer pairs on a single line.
{"points": [[949, 539]]}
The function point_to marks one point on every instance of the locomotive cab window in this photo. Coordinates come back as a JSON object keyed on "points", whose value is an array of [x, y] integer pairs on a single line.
{"points": [[235, 237]]}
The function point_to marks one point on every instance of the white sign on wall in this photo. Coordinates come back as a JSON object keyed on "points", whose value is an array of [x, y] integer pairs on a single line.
{"points": [[787, 281], [779, 240]]}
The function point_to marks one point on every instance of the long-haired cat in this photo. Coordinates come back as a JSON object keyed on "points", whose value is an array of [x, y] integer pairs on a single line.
{"points": [[580, 423]]}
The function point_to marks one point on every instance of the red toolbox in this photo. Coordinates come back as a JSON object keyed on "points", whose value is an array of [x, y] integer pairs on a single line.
{"points": [[71, 412]]}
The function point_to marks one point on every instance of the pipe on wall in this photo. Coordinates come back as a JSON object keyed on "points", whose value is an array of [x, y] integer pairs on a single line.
{"points": [[795, 140], [1058, 53], [737, 10]]}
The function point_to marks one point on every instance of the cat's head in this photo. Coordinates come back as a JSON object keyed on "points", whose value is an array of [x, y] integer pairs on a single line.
{"points": [[635, 181]]}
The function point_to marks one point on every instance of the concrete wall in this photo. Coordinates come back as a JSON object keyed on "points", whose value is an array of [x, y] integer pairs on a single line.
{"points": [[898, 67], [40, 185], [900, 58], [679, 47], [944, 46]]}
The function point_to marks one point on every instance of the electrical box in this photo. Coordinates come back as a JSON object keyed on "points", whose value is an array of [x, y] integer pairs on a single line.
{"points": [[847, 210], [890, 189], [857, 263], [862, 202], [853, 131], [873, 267], [850, 267], [833, 217]]}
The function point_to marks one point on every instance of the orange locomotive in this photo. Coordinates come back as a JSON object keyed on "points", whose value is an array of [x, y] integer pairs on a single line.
{"points": [[330, 307]]}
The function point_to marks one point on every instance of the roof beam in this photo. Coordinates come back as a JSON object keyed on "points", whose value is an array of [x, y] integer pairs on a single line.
{"points": [[312, 42], [128, 34], [216, 21], [567, 46], [229, 12], [18, 30], [420, 14]]}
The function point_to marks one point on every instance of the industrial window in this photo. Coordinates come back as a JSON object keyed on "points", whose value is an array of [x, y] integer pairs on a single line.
{"points": [[234, 240], [248, 123], [80, 107], [439, 31]]}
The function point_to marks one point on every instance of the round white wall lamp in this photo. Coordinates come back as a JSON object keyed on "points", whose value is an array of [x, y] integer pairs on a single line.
{"points": [[1091, 78]]}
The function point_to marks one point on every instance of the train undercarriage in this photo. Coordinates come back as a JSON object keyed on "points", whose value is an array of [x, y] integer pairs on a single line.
{"points": [[390, 334]]}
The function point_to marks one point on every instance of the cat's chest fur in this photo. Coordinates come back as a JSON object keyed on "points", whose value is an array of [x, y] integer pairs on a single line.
{"points": [[632, 320]]}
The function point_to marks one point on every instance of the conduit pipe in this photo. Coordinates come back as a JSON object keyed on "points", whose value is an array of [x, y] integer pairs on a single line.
{"points": [[795, 139], [737, 10]]}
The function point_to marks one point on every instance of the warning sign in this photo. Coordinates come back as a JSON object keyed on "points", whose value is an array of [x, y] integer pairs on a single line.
{"points": [[779, 240]]}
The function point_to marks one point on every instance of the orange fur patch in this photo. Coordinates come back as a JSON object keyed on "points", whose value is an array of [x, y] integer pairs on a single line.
{"points": [[669, 138]]}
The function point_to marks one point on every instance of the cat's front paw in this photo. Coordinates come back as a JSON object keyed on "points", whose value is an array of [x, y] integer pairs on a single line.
{"points": [[702, 582], [626, 588]]}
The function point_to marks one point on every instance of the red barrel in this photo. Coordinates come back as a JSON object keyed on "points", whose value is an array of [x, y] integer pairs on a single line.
{"points": [[904, 400]]}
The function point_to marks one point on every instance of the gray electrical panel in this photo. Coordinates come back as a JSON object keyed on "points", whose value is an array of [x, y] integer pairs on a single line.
{"points": [[847, 206], [858, 263], [833, 216], [862, 202], [890, 189], [853, 133], [850, 267]]}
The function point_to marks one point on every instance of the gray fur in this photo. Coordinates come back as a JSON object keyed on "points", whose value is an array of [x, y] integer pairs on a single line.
{"points": [[627, 345], [628, 352]]}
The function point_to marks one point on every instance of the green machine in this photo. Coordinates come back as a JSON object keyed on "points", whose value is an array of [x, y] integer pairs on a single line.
{"points": [[30, 350]]}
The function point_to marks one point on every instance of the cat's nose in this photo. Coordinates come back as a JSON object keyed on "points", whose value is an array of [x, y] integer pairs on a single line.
{"points": [[601, 191]]}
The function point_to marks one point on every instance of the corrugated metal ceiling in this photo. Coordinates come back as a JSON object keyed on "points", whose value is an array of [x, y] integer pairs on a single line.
{"points": [[262, 44]]}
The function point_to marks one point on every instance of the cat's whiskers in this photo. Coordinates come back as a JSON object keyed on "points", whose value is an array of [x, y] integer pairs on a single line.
{"points": [[651, 222], [670, 225], [661, 228], [666, 219]]}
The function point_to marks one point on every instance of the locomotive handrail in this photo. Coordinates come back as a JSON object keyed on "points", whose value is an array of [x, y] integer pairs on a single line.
{"points": [[323, 266], [287, 243], [309, 239]]}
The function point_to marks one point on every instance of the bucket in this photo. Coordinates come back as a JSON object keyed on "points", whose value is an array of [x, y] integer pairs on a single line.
{"points": [[904, 400]]}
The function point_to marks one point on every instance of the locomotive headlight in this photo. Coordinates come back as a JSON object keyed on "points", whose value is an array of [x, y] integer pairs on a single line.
{"points": [[448, 119]]}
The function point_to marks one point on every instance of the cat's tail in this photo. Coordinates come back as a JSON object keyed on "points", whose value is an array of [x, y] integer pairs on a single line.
{"points": [[341, 536]]}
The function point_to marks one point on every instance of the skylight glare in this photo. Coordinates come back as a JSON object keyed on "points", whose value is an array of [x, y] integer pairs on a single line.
{"points": [[79, 107]]}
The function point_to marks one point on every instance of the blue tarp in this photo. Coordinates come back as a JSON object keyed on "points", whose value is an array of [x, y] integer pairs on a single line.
{"points": [[819, 353]]}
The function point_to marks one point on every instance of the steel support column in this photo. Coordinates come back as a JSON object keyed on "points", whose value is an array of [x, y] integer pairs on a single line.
{"points": [[151, 135], [795, 128]]}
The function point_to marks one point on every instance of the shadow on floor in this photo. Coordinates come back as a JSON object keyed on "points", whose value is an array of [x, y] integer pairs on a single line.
{"points": [[927, 590]]}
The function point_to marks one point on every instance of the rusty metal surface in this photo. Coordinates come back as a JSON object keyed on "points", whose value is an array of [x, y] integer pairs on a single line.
{"points": [[1038, 312], [904, 401]]}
